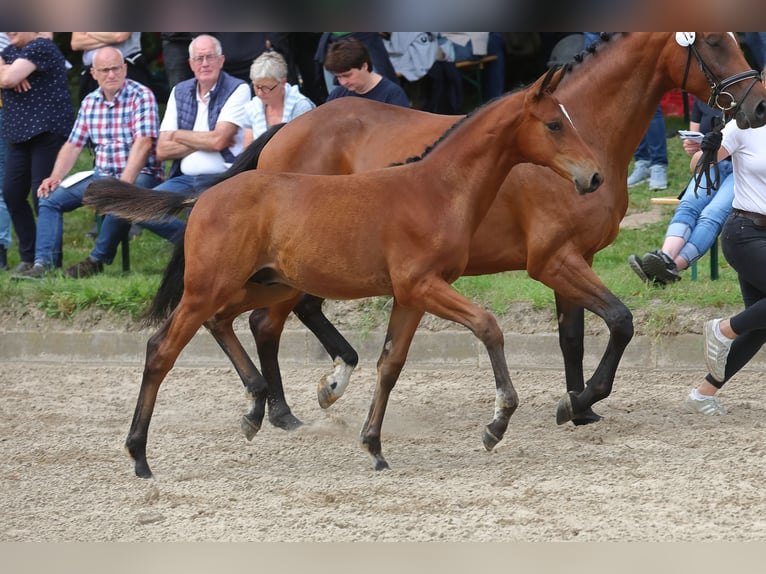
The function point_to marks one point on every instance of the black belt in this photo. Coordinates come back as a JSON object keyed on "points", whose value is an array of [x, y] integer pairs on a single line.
{"points": [[757, 218]]}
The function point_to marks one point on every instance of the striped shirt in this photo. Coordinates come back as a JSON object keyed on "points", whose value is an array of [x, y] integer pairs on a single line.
{"points": [[295, 105], [114, 126]]}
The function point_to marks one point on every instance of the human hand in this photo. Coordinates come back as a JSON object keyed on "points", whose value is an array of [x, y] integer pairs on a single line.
{"points": [[23, 86], [690, 146], [47, 186]]}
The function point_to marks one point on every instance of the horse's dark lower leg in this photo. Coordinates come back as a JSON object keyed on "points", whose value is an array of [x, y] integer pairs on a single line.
{"points": [[571, 321], [620, 322], [254, 383], [345, 358]]}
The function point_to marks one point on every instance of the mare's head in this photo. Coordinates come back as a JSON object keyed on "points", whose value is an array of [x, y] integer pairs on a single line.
{"points": [[548, 136], [711, 65]]}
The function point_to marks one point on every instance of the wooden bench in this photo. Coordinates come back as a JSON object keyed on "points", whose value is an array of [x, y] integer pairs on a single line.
{"points": [[472, 70], [713, 248]]}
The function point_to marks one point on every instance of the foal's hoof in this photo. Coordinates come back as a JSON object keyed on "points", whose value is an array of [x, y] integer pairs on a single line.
{"points": [[249, 428], [586, 418], [325, 393], [381, 464], [489, 440]]}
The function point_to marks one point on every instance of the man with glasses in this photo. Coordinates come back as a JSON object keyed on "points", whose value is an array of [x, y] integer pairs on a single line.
{"points": [[121, 119], [202, 130]]}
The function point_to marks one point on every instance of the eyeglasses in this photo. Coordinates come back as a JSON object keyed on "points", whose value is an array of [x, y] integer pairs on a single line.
{"points": [[265, 89], [107, 71], [205, 58]]}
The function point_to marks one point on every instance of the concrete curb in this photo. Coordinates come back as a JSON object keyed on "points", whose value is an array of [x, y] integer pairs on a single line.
{"points": [[445, 349]]}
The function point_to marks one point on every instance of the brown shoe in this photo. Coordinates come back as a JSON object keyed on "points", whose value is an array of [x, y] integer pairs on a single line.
{"points": [[84, 268]]}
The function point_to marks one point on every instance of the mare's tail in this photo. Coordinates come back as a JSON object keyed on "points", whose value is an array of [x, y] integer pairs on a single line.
{"points": [[171, 288], [133, 202], [248, 158]]}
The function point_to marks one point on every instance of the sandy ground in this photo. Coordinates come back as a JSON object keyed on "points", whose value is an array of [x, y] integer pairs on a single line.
{"points": [[647, 472]]}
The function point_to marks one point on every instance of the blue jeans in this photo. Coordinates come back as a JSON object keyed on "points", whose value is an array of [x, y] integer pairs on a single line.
{"points": [[699, 219], [171, 228], [653, 147], [5, 218], [50, 222]]}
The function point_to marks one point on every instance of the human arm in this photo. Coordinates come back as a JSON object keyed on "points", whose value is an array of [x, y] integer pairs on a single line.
{"points": [[723, 153], [248, 138], [690, 146], [65, 161], [139, 154], [92, 40], [15, 75], [178, 144]]}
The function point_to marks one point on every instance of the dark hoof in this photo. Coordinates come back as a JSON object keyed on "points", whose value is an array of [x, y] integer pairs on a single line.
{"points": [[565, 410], [381, 464], [249, 428], [142, 470], [587, 418], [489, 440], [286, 422]]}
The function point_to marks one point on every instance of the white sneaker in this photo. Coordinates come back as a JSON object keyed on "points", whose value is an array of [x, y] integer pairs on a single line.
{"points": [[716, 351], [640, 173], [706, 406]]}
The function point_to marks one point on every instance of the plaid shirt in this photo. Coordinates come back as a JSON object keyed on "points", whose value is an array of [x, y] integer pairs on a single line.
{"points": [[114, 126]]}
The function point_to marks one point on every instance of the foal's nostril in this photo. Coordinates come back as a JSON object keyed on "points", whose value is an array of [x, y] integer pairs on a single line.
{"points": [[596, 181]]}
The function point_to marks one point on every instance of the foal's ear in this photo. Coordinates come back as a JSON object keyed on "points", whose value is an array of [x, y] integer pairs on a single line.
{"points": [[548, 83]]}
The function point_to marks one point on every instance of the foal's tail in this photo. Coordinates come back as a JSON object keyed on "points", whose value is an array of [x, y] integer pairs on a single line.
{"points": [[248, 158], [139, 204], [133, 202], [171, 288]]}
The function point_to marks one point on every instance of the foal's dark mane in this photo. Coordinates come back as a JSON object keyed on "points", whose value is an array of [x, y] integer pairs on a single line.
{"points": [[577, 59]]}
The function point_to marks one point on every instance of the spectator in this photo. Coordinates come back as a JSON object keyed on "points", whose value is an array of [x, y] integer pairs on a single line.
{"points": [[175, 56], [121, 120], [5, 218], [372, 41], [202, 129], [476, 45], [698, 218], [241, 48], [275, 100], [731, 342], [349, 61], [38, 115], [128, 43]]}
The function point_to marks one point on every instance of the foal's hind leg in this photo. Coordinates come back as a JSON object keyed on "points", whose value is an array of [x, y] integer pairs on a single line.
{"points": [[402, 325], [332, 386]]}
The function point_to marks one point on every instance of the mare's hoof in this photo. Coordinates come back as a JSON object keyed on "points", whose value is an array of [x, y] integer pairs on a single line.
{"points": [[586, 418], [565, 410], [286, 422], [325, 394], [142, 470], [381, 464], [489, 440], [249, 428]]}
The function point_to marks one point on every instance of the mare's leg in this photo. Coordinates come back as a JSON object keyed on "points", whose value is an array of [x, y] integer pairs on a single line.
{"points": [[267, 325], [402, 325], [443, 301], [573, 280], [332, 386], [162, 350], [571, 321]]}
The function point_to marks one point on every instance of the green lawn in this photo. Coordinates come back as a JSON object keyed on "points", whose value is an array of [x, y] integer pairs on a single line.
{"points": [[114, 291]]}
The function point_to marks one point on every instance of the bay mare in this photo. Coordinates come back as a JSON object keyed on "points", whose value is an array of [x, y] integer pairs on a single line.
{"points": [[260, 238], [611, 92]]}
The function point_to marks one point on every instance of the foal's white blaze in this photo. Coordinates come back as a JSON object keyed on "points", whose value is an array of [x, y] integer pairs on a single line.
{"points": [[566, 114]]}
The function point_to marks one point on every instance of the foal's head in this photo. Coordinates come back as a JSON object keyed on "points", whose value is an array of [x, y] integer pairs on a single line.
{"points": [[548, 136]]}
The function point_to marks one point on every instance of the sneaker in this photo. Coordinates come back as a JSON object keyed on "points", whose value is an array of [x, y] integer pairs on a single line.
{"points": [[636, 265], [85, 268], [660, 267], [716, 351], [640, 173], [705, 406], [658, 177], [36, 271]]}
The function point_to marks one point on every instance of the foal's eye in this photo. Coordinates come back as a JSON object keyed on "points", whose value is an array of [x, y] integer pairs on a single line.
{"points": [[554, 126]]}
